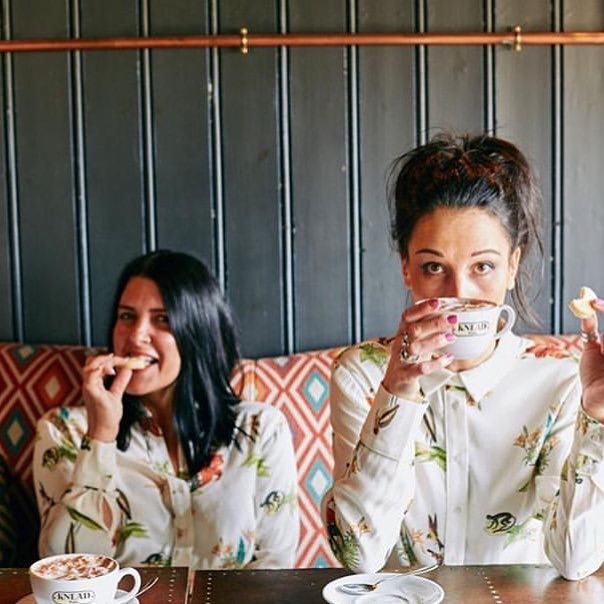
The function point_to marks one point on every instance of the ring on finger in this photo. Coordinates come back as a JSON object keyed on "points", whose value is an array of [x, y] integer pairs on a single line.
{"points": [[406, 356], [589, 336]]}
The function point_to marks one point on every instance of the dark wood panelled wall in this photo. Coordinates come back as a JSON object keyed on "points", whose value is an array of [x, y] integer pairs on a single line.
{"points": [[271, 166]]}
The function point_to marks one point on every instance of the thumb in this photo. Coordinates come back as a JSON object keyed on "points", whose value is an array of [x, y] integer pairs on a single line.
{"points": [[120, 383]]}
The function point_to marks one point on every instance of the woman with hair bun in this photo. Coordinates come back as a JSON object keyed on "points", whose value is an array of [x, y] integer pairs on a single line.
{"points": [[486, 460]]}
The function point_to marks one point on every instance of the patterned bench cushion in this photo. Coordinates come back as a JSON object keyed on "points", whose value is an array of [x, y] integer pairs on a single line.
{"points": [[36, 378]]}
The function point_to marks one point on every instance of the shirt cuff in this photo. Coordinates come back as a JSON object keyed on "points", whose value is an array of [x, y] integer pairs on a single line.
{"points": [[96, 464], [391, 424]]}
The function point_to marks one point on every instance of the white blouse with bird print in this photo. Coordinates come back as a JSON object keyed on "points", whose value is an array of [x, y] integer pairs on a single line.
{"points": [[238, 512], [499, 464]]}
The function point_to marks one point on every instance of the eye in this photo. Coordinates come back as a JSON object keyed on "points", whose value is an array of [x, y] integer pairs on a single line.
{"points": [[484, 268], [125, 315], [162, 319], [432, 268]]}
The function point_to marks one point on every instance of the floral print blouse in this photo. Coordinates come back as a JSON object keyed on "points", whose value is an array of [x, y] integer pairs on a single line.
{"points": [[498, 465], [239, 511]]}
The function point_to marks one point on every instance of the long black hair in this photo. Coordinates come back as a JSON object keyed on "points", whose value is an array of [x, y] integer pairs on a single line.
{"points": [[200, 321], [482, 172]]}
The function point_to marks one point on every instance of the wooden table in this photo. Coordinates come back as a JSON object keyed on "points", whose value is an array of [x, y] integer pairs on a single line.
{"points": [[462, 584]]}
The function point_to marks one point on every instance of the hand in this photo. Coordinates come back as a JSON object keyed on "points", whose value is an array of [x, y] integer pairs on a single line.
{"points": [[104, 405], [423, 333], [591, 367]]}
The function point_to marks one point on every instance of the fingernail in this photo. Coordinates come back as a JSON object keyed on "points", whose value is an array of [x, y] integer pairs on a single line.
{"points": [[433, 303], [449, 337], [447, 358], [452, 319], [599, 302]]}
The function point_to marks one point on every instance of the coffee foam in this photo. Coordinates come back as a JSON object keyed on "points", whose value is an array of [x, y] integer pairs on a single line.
{"points": [[465, 305], [74, 567]]}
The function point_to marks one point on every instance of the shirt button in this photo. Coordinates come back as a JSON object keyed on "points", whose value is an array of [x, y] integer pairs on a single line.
{"points": [[455, 404], [457, 509]]}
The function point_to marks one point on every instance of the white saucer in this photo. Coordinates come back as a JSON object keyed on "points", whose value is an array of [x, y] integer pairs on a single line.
{"points": [[29, 598], [416, 590]]}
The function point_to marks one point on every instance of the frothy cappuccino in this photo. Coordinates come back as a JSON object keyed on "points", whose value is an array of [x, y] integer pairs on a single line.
{"points": [[74, 567]]}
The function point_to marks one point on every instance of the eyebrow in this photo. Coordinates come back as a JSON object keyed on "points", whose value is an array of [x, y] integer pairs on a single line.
{"points": [[427, 250], [125, 306]]}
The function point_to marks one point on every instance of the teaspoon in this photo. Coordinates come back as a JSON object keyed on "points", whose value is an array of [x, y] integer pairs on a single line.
{"points": [[365, 588]]}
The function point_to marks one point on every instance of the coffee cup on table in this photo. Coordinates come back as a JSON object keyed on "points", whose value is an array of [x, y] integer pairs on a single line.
{"points": [[479, 324], [80, 579]]}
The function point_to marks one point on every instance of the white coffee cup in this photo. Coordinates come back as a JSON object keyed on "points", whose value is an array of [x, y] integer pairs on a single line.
{"points": [[80, 579], [478, 325]]}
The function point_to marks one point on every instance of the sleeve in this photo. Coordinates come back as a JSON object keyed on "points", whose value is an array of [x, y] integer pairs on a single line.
{"points": [[75, 490], [374, 477], [574, 522], [276, 498]]}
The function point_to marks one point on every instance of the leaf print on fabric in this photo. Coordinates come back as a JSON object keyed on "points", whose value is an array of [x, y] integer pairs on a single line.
{"points": [[344, 546], [585, 466], [275, 501], [470, 401], [439, 553], [405, 550], [424, 453], [255, 461], [230, 558], [123, 503], [384, 418], [54, 455], [355, 466], [584, 421], [163, 467], [374, 353], [84, 520], [538, 444], [59, 420], [131, 529], [250, 431], [70, 546]]}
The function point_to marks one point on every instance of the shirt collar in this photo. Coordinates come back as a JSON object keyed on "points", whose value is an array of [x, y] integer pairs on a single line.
{"points": [[483, 378]]}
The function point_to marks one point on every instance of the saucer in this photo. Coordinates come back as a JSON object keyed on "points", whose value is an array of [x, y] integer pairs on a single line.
{"points": [[399, 590], [29, 598]]}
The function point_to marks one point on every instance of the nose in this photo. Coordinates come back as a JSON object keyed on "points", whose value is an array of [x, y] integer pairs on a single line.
{"points": [[460, 286], [140, 332]]}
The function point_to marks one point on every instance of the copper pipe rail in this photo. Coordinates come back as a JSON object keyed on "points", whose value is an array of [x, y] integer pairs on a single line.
{"points": [[244, 41]]}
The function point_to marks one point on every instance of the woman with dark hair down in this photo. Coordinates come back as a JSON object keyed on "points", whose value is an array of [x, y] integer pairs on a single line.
{"points": [[164, 464], [494, 459]]}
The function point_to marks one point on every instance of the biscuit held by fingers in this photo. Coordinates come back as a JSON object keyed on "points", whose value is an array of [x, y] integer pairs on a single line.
{"points": [[582, 307]]}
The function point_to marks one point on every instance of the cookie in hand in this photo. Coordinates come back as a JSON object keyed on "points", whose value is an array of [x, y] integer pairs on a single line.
{"points": [[581, 307]]}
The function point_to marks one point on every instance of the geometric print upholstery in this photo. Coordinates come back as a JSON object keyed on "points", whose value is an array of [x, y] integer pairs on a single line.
{"points": [[298, 385], [34, 378]]}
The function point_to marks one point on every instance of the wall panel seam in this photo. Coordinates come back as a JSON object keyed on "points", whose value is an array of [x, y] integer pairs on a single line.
{"points": [[216, 154], [356, 283], [421, 75], [287, 262], [147, 119], [12, 188], [557, 235], [77, 123]]}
